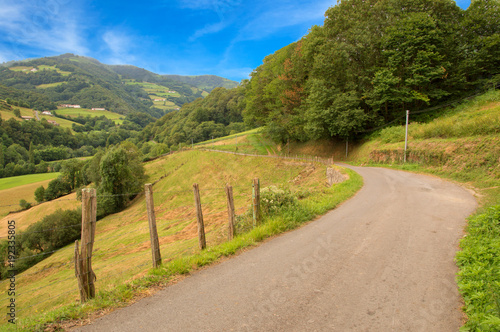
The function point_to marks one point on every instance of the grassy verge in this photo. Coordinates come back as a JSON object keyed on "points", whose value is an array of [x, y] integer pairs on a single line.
{"points": [[177, 232], [479, 276]]}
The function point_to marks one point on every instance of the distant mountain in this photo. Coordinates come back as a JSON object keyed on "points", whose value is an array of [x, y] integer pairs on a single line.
{"points": [[71, 79], [204, 82]]}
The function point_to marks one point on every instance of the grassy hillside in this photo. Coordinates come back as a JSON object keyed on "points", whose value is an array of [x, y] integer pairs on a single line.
{"points": [[156, 91], [13, 189], [25, 218], [8, 114], [122, 251]]}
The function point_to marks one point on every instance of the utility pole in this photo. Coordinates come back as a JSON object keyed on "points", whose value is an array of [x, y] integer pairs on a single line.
{"points": [[406, 133]]}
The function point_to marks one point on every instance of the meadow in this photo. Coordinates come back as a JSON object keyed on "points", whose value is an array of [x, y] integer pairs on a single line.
{"points": [[13, 189], [75, 112]]}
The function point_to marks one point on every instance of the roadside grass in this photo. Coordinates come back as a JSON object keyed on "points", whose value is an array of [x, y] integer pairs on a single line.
{"points": [[12, 191], [122, 256], [479, 276]]}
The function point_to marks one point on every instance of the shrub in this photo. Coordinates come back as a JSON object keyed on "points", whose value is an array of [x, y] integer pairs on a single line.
{"points": [[24, 204], [273, 199]]}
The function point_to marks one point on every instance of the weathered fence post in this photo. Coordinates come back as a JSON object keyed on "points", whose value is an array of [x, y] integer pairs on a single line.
{"points": [[153, 234], [230, 212], [199, 216], [83, 258], [256, 202]]}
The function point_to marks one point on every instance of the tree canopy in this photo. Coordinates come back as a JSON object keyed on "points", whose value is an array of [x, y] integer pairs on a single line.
{"points": [[371, 61]]}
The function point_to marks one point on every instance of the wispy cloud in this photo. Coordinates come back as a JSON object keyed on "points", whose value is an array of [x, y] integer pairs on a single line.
{"points": [[41, 26], [209, 29], [282, 15], [119, 44], [218, 6]]}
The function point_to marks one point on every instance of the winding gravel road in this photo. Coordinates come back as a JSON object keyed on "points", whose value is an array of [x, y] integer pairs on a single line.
{"points": [[382, 261]]}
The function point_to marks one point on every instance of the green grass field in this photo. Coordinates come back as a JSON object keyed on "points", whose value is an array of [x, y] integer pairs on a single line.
{"points": [[156, 91], [122, 253], [41, 67], [49, 85], [20, 68], [15, 181], [75, 112], [14, 189], [6, 115]]}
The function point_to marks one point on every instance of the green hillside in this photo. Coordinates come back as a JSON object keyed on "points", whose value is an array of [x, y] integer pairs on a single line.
{"points": [[204, 82], [122, 255]]}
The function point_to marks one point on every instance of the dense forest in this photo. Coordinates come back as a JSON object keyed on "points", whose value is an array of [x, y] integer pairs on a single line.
{"points": [[370, 62]]}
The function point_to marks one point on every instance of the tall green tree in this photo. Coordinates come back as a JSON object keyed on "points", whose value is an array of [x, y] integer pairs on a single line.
{"points": [[122, 176]]}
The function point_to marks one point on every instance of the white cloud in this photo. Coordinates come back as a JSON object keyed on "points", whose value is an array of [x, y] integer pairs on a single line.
{"points": [[121, 45], [41, 26]]}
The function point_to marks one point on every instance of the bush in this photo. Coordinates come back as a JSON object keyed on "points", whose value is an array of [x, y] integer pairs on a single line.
{"points": [[40, 194], [24, 204], [273, 199]]}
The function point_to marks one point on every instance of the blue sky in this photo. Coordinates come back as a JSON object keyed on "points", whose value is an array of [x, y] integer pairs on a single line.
{"points": [[228, 38]]}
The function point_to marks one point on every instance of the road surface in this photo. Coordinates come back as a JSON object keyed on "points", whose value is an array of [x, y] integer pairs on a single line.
{"points": [[382, 261]]}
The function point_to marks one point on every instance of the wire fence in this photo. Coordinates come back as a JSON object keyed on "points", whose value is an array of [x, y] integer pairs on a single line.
{"points": [[122, 249]]}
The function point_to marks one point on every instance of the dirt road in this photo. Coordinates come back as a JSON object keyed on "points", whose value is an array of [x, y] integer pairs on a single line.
{"points": [[383, 261]]}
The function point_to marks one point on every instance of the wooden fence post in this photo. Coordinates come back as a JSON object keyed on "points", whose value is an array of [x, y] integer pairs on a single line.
{"points": [[83, 258], [256, 202], [153, 234], [199, 214], [230, 212]]}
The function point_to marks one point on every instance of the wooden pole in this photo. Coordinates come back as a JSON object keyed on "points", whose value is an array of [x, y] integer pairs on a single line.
{"points": [[199, 214], [256, 202], [230, 212], [153, 233], [83, 260]]}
